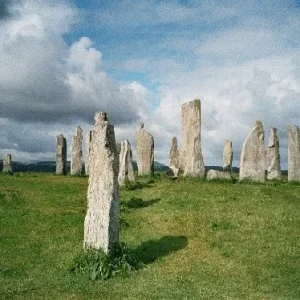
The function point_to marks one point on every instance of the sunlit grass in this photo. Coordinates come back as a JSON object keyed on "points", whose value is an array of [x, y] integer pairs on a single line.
{"points": [[196, 239]]}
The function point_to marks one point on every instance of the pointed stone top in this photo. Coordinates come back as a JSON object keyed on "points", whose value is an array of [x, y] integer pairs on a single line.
{"points": [[60, 136], [142, 125], [79, 130], [100, 117], [259, 125]]}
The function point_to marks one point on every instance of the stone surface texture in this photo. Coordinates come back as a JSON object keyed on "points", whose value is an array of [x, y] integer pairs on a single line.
{"points": [[227, 156], [273, 157], [174, 157], [76, 158], [88, 142], [191, 159], [126, 172], [61, 155], [101, 225], [144, 151], [293, 153], [7, 164], [218, 175], [253, 156]]}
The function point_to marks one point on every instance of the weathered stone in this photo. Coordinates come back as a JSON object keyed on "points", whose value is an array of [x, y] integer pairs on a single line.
{"points": [[61, 155], [273, 157], [190, 154], [218, 175], [253, 156], [293, 153], [76, 158], [145, 151], [126, 172], [7, 164], [88, 142], [174, 157], [101, 225], [227, 156]]}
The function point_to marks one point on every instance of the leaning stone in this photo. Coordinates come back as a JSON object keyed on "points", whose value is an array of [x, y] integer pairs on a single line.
{"points": [[293, 153], [218, 175], [273, 157], [61, 155], [101, 224], [126, 172], [88, 142], [145, 151], [227, 156], [253, 156], [7, 164], [76, 158], [191, 160]]}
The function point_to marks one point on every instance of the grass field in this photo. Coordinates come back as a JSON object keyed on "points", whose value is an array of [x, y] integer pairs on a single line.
{"points": [[197, 240]]}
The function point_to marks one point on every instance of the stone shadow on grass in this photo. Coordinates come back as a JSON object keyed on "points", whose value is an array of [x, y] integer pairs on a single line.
{"points": [[151, 250], [134, 203]]}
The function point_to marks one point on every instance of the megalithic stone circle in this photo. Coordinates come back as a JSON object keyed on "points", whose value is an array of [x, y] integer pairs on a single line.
{"points": [[273, 157], [253, 156], [101, 224], [191, 159], [144, 151], [76, 158], [61, 155]]}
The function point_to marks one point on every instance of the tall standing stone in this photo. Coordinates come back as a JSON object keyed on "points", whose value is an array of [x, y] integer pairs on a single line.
{"points": [[191, 159], [61, 155], [7, 164], [76, 158], [88, 142], [273, 156], [145, 151], [293, 153], [101, 224], [227, 156], [253, 156], [174, 157], [126, 172]]}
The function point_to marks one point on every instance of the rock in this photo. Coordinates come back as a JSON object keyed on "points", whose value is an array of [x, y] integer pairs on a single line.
{"points": [[7, 164], [174, 157], [76, 158], [126, 172], [218, 175], [253, 156], [273, 157], [227, 156], [101, 224], [293, 153], [145, 151], [61, 155], [88, 142], [191, 160]]}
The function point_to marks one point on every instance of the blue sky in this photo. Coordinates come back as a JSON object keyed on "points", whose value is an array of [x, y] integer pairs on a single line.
{"points": [[140, 60]]}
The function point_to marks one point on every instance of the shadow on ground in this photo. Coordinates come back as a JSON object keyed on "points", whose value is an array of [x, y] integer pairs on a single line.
{"points": [[134, 203], [151, 250]]}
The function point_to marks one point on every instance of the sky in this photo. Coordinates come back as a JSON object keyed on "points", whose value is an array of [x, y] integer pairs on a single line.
{"points": [[61, 61]]}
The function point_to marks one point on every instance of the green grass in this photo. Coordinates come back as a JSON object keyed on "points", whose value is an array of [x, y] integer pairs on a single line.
{"points": [[196, 239]]}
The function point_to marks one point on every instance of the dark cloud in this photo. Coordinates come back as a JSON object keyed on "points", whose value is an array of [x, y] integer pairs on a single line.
{"points": [[5, 9]]}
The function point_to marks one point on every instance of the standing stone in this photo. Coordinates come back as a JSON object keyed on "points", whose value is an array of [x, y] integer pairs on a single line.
{"points": [[145, 151], [253, 156], [293, 153], [126, 172], [61, 155], [273, 157], [7, 164], [76, 159], [101, 224], [227, 156], [88, 142], [174, 157], [191, 159]]}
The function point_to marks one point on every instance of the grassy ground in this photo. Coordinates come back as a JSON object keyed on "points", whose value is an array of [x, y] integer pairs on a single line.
{"points": [[198, 240]]}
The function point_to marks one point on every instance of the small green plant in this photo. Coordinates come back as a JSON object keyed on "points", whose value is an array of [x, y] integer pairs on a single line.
{"points": [[99, 265]]}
